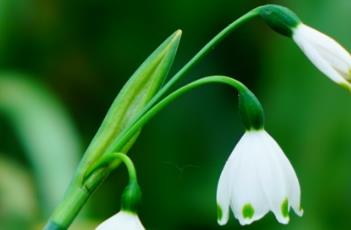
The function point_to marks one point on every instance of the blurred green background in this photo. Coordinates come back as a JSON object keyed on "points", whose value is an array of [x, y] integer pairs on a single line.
{"points": [[62, 63]]}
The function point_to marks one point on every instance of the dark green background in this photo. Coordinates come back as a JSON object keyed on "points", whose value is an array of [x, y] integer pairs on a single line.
{"points": [[83, 52]]}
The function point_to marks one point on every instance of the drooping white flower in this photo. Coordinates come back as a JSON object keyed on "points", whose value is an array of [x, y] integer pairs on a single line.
{"points": [[325, 53], [257, 178], [123, 220]]}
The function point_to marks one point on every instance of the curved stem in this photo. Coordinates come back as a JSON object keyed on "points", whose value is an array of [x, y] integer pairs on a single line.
{"points": [[146, 114], [129, 165], [132, 193], [171, 97], [106, 160], [199, 55], [203, 52], [64, 215]]}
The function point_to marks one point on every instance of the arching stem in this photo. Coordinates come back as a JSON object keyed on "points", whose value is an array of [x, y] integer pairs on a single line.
{"points": [[125, 136]]}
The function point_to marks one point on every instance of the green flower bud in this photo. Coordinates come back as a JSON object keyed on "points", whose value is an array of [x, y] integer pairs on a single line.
{"points": [[251, 110], [279, 18], [131, 197]]}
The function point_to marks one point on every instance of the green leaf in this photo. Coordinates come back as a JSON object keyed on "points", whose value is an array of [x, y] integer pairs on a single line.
{"points": [[46, 131], [135, 94]]}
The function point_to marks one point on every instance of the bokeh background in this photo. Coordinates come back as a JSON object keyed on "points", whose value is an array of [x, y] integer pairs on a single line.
{"points": [[62, 62]]}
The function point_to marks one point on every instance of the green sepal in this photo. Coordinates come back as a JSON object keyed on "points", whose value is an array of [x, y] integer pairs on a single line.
{"points": [[251, 110], [131, 197], [279, 18], [135, 94]]}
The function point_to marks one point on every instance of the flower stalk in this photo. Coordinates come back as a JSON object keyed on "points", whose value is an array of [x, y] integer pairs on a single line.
{"points": [[250, 108], [132, 194], [144, 96], [127, 218], [95, 150], [64, 214], [207, 48], [325, 53]]}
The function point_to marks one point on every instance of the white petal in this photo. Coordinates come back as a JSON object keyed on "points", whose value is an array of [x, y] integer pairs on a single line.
{"points": [[315, 56], [294, 191], [122, 221], [273, 178], [224, 195], [330, 50], [224, 188], [248, 201]]}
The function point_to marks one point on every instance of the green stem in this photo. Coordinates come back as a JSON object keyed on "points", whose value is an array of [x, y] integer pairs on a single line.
{"points": [[110, 159], [68, 209], [193, 61], [132, 193], [202, 53], [129, 164], [63, 215], [171, 97], [198, 56]]}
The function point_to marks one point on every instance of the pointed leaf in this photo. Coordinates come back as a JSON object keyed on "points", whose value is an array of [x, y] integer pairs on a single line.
{"points": [[135, 94]]}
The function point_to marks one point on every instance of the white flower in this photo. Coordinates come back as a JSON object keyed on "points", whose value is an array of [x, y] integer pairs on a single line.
{"points": [[325, 53], [257, 178], [123, 220]]}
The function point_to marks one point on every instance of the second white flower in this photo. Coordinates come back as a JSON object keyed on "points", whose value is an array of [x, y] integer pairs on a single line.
{"points": [[325, 53], [257, 178]]}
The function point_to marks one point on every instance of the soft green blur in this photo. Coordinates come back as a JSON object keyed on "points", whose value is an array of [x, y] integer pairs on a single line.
{"points": [[82, 52]]}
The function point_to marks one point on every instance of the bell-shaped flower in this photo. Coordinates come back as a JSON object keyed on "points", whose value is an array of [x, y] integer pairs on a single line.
{"points": [[325, 53], [123, 220], [257, 178]]}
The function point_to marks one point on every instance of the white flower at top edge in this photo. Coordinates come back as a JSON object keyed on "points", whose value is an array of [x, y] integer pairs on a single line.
{"points": [[123, 220], [325, 53], [257, 178]]}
